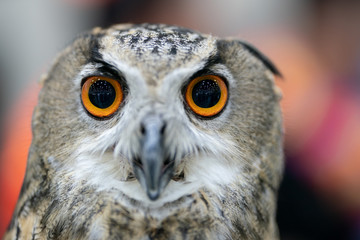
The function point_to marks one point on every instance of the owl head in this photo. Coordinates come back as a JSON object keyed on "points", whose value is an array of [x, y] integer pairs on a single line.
{"points": [[156, 112]]}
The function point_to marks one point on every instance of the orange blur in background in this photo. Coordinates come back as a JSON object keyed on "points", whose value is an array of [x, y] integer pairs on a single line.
{"points": [[14, 153]]}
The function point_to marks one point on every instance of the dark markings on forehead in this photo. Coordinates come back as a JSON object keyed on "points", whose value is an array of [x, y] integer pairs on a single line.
{"points": [[158, 39], [173, 51]]}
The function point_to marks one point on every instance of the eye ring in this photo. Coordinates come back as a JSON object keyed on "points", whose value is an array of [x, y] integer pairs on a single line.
{"points": [[210, 95], [101, 96]]}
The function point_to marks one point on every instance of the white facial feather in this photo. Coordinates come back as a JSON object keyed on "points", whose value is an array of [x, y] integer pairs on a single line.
{"points": [[106, 159]]}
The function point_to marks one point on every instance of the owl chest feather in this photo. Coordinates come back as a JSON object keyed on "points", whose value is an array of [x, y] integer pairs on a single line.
{"points": [[84, 213]]}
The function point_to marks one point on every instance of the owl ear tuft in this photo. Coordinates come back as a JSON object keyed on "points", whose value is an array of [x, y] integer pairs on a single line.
{"points": [[266, 61]]}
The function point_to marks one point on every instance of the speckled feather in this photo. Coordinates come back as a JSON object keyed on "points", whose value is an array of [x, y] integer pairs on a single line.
{"points": [[79, 180]]}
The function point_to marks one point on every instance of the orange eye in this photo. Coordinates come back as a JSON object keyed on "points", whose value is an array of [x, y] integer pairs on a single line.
{"points": [[206, 95], [101, 96]]}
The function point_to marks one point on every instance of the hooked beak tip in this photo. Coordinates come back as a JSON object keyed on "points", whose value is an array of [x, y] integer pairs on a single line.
{"points": [[153, 194], [153, 183]]}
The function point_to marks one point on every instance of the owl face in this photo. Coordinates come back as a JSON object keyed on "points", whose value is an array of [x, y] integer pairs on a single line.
{"points": [[158, 112]]}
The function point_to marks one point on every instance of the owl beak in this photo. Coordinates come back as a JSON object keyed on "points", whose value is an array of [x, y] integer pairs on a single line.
{"points": [[153, 169]]}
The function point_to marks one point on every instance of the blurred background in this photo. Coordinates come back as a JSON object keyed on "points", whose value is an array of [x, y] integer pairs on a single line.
{"points": [[314, 43]]}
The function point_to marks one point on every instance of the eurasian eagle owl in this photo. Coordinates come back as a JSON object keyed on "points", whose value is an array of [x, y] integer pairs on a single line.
{"points": [[153, 132]]}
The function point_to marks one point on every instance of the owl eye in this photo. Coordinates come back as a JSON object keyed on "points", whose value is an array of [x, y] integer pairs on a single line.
{"points": [[206, 95], [101, 96]]}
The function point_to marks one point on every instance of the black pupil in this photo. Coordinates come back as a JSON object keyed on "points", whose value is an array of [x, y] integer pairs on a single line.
{"points": [[206, 93], [102, 94]]}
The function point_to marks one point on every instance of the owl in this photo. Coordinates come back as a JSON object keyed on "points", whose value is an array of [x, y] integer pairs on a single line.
{"points": [[153, 131]]}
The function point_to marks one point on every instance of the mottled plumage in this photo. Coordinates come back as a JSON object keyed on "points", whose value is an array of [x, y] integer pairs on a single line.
{"points": [[91, 177]]}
